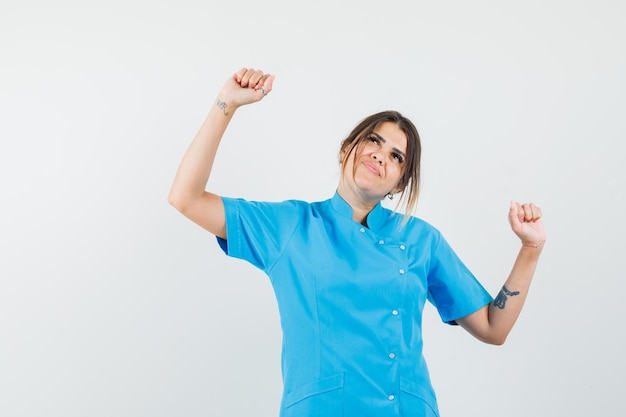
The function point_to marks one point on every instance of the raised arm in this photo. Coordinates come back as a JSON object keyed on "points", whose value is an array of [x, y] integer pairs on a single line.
{"points": [[188, 193], [493, 323]]}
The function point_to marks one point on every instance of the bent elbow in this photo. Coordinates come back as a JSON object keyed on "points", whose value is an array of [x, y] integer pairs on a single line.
{"points": [[177, 201], [496, 340]]}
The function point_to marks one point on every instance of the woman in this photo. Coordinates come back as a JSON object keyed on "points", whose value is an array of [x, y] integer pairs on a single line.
{"points": [[351, 278]]}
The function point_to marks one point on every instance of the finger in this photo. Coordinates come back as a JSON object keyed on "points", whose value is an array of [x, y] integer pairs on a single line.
{"points": [[514, 214], [528, 212], [531, 212], [265, 84], [246, 76], [255, 79], [520, 212], [239, 75], [536, 212]]}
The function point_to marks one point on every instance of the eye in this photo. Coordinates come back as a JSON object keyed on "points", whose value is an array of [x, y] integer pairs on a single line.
{"points": [[397, 157], [373, 139]]}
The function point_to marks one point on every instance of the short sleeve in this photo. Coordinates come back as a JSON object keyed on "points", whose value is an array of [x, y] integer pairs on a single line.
{"points": [[258, 232], [452, 288]]}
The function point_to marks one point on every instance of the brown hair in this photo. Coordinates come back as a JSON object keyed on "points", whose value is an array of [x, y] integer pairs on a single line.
{"points": [[410, 179]]}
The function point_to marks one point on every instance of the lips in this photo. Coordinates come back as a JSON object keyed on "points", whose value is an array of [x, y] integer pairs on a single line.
{"points": [[371, 167]]}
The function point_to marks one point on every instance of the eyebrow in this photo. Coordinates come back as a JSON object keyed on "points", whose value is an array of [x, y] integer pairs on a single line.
{"points": [[383, 140]]}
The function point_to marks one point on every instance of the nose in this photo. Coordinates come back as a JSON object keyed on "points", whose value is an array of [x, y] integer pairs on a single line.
{"points": [[377, 158]]}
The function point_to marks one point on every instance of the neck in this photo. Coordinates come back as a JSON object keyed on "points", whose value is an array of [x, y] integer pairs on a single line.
{"points": [[360, 206]]}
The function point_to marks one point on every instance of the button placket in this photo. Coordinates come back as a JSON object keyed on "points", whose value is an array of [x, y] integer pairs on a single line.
{"points": [[392, 354], [399, 253], [394, 313]]}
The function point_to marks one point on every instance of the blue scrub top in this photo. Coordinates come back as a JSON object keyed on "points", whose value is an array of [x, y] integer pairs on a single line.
{"points": [[350, 300]]}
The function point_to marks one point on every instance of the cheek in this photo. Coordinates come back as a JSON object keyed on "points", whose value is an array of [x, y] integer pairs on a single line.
{"points": [[397, 174], [397, 171], [370, 147]]}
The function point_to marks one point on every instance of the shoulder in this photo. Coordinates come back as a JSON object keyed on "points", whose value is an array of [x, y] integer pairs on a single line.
{"points": [[411, 224], [285, 207], [414, 230]]}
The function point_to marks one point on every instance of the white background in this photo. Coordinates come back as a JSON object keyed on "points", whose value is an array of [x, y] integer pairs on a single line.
{"points": [[113, 304]]}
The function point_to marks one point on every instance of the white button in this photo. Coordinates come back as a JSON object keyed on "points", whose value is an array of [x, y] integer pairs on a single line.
{"points": [[381, 242], [391, 397], [402, 247], [395, 312], [362, 229], [401, 271], [392, 355]]}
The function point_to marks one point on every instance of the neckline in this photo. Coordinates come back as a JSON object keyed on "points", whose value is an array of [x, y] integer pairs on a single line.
{"points": [[374, 220]]}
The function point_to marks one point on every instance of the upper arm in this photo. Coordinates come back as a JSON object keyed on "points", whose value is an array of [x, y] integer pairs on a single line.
{"points": [[454, 290], [476, 323], [207, 211]]}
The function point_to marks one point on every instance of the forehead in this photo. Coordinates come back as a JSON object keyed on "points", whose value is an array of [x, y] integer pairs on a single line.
{"points": [[393, 135]]}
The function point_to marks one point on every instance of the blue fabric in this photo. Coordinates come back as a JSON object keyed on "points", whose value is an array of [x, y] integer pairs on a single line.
{"points": [[350, 299]]}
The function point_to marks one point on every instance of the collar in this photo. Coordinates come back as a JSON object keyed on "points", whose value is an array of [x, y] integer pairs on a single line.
{"points": [[375, 219]]}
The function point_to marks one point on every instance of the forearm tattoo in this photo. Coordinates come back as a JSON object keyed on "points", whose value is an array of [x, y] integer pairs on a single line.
{"points": [[222, 106], [500, 300]]}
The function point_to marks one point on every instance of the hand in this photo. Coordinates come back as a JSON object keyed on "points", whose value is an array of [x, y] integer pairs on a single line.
{"points": [[525, 220], [246, 86]]}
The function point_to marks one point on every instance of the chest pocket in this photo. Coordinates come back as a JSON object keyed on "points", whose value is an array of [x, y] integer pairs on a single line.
{"points": [[323, 397]]}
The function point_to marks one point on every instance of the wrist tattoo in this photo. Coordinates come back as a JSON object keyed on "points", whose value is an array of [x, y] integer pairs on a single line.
{"points": [[501, 298], [222, 106]]}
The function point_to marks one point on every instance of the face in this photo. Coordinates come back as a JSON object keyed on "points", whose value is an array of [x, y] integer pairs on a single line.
{"points": [[378, 165]]}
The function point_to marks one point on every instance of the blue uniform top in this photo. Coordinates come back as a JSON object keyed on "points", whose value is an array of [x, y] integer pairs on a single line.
{"points": [[350, 300]]}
